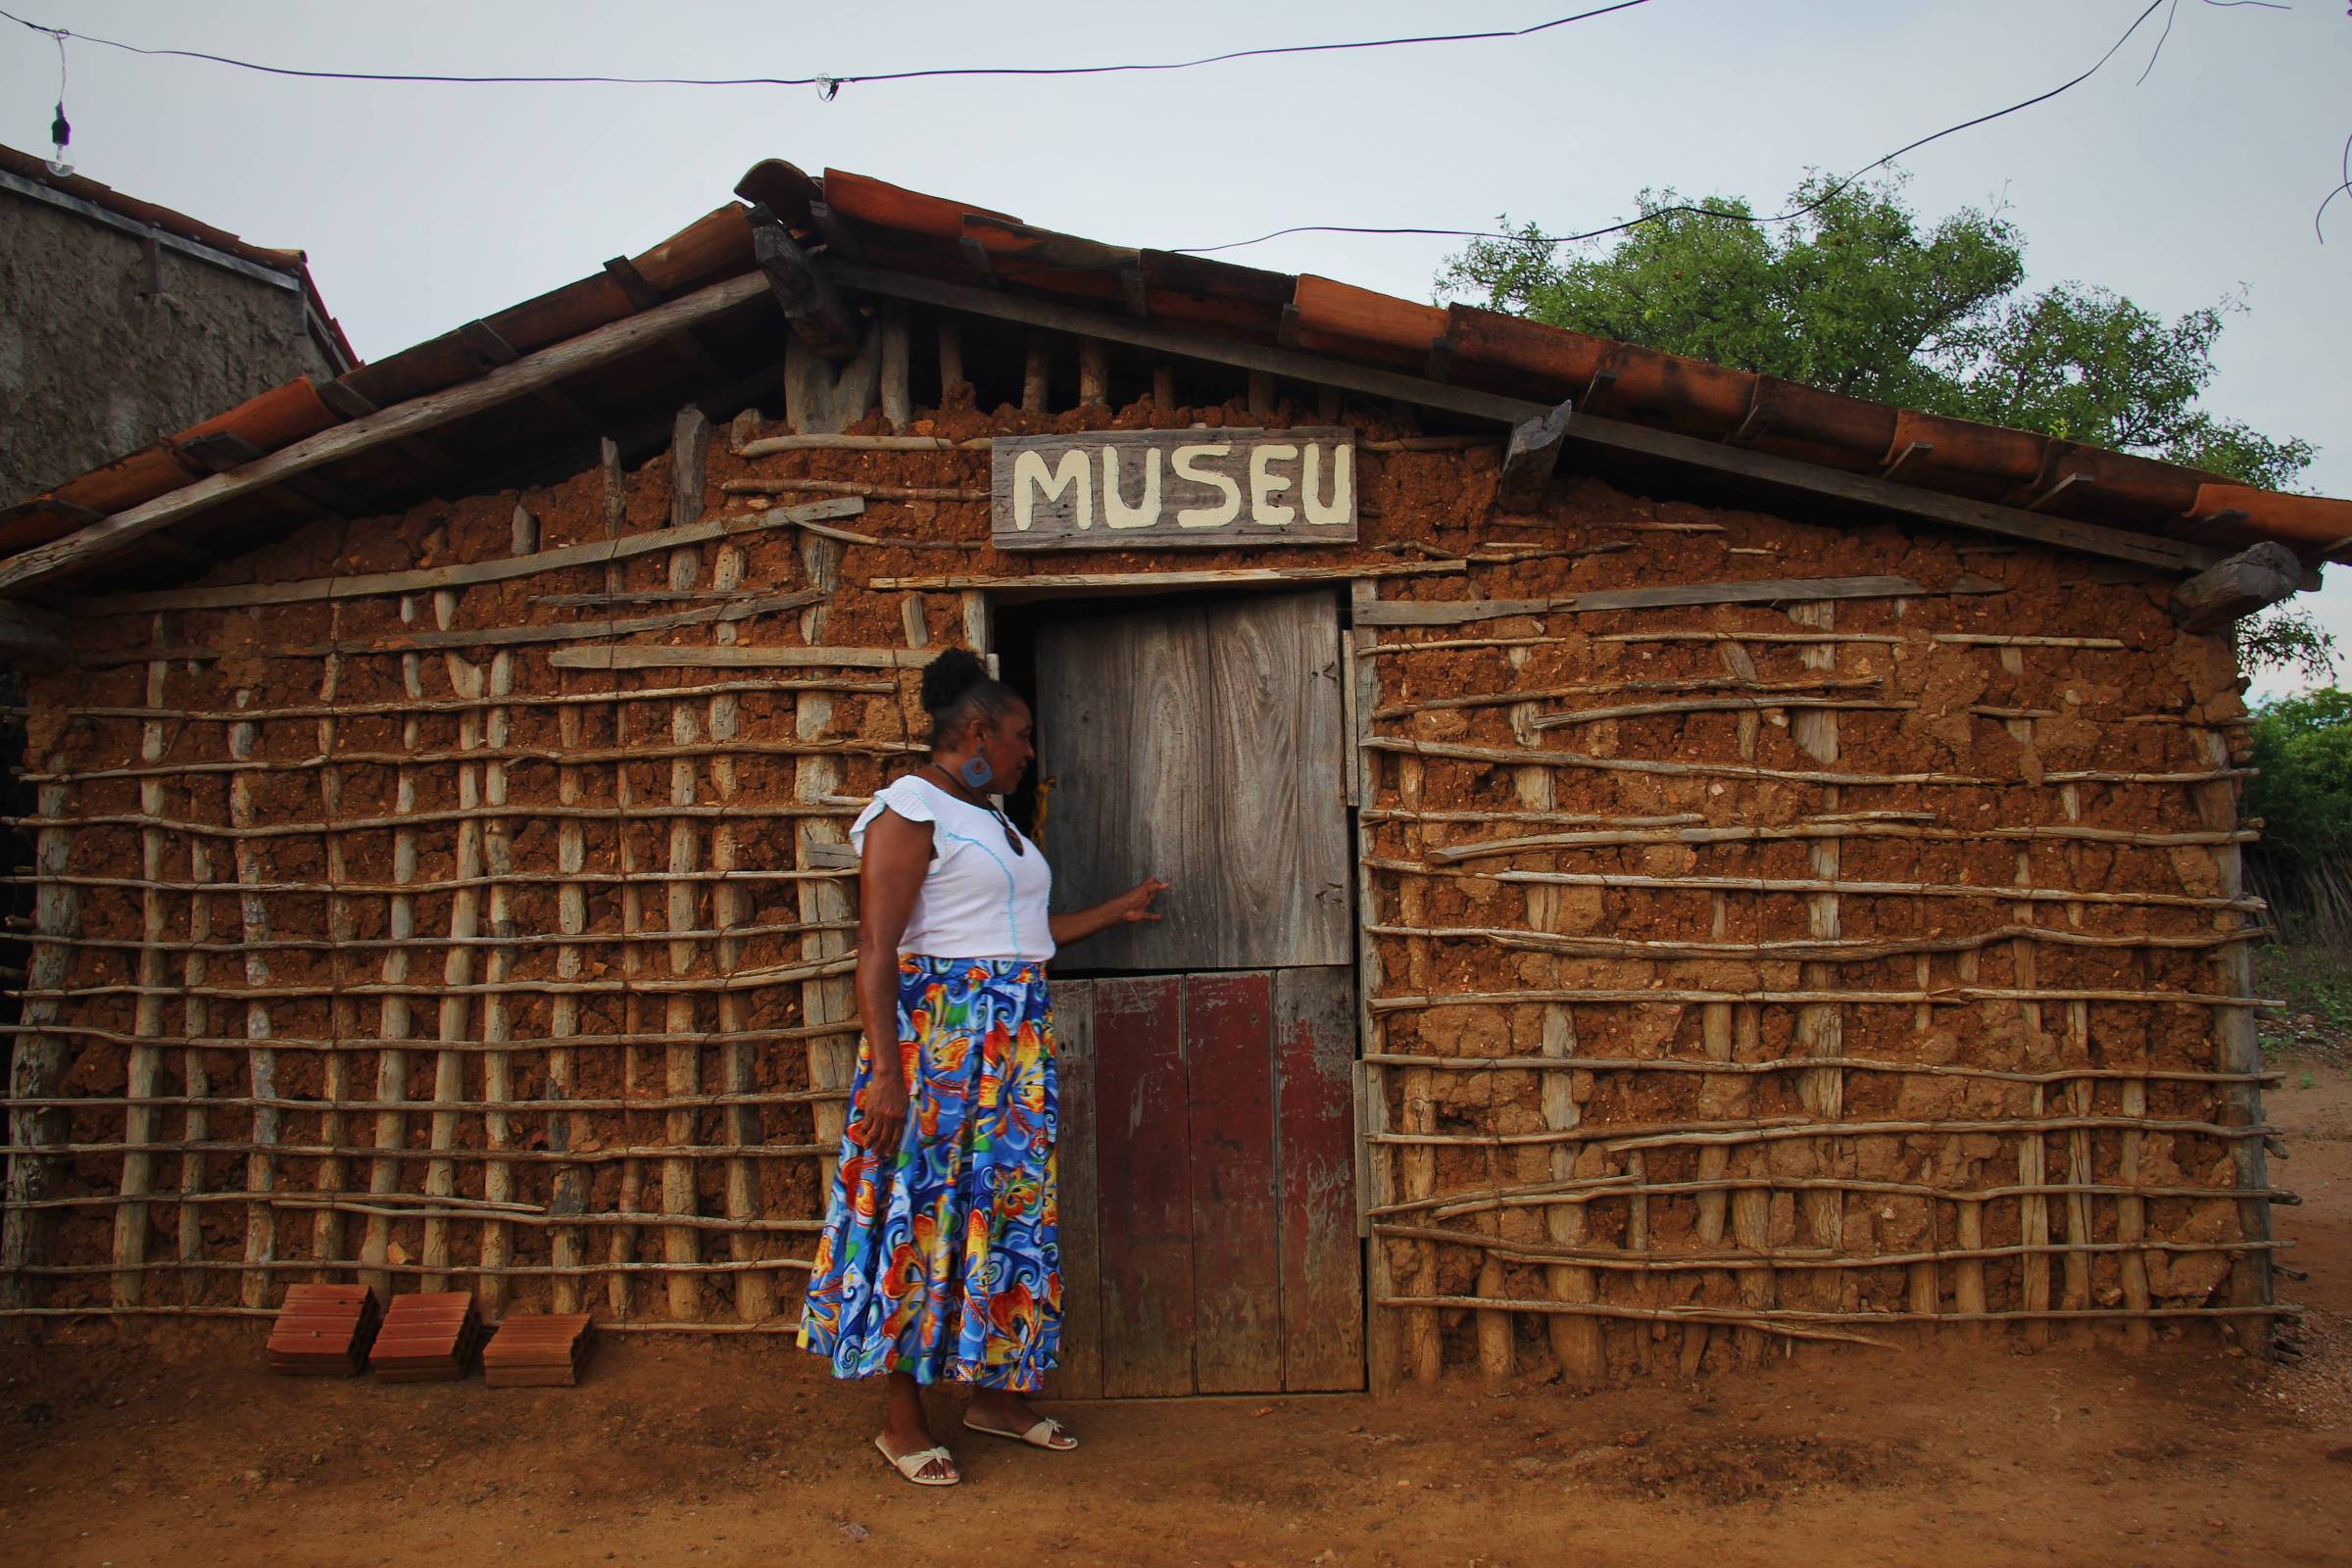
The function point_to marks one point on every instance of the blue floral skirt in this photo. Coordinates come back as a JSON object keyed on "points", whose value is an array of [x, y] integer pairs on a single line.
{"points": [[943, 1258]]}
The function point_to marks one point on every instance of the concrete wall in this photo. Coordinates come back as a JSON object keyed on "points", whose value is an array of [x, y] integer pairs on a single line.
{"points": [[93, 364]]}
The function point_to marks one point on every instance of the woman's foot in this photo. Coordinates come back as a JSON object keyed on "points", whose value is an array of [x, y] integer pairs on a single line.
{"points": [[906, 1431], [922, 1462], [1005, 1413]]}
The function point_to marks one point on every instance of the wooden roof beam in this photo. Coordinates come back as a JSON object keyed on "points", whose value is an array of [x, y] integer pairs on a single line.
{"points": [[811, 302], [1584, 430], [20, 573]]}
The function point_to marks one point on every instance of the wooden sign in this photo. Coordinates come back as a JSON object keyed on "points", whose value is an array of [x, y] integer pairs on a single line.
{"points": [[1173, 489]]}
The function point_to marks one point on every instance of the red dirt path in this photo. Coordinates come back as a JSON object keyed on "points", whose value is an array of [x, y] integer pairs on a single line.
{"points": [[115, 1450]]}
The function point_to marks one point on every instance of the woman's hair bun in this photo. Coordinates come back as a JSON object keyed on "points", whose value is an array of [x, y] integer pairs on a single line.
{"points": [[949, 677]]}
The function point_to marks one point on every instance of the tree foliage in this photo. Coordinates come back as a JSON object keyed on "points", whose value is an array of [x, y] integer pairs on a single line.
{"points": [[1860, 297], [2303, 792]]}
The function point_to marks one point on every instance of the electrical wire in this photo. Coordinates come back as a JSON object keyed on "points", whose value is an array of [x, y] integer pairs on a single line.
{"points": [[1685, 209], [829, 84]]}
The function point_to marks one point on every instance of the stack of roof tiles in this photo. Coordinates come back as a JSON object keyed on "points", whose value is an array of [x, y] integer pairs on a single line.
{"points": [[323, 1331], [537, 1349], [428, 1336]]}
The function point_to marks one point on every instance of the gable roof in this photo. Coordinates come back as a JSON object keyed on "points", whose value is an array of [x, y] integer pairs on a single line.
{"points": [[692, 314]]}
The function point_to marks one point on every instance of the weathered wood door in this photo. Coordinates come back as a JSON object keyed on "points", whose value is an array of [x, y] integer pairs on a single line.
{"points": [[1208, 1216]]}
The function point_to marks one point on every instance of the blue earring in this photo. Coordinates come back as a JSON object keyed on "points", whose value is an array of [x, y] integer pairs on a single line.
{"points": [[976, 774]]}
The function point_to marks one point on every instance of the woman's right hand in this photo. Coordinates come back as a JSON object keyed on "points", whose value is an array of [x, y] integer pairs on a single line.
{"points": [[884, 1102]]}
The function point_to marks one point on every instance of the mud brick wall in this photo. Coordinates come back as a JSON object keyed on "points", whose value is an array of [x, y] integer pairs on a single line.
{"points": [[1733, 972]]}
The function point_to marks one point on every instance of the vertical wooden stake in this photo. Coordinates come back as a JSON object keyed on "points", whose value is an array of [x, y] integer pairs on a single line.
{"points": [[330, 1230], [950, 355], [897, 400], [498, 1067], [145, 1070], [1382, 1345], [456, 963], [1163, 388], [730, 907], [260, 1165], [689, 477], [568, 1190], [2032, 1158], [1093, 372], [2238, 1050], [1037, 375], [1261, 393], [1821, 1028], [196, 1019], [37, 1065]]}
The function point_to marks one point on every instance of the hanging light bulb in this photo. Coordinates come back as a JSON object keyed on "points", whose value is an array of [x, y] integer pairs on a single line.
{"points": [[61, 133]]}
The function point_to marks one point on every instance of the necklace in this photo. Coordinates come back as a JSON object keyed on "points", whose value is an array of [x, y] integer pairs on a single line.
{"points": [[1013, 840]]}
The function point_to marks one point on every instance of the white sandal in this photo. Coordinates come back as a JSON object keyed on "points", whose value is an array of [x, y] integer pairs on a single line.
{"points": [[911, 1465], [1048, 1434]]}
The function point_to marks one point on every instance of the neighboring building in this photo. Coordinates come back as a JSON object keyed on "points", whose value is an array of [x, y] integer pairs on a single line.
{"points": [[122, 322], [1722, 863]]}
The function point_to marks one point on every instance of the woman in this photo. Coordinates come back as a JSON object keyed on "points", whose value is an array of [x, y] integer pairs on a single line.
{"points": [[941, 1258]]}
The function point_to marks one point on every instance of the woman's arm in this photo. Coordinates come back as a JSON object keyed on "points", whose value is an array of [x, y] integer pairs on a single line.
{"points": [[1128, 908], [889, 876]]}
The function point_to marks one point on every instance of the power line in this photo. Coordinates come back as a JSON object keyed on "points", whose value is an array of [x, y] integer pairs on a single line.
{"points": [[1684, 209], [829, 84]]}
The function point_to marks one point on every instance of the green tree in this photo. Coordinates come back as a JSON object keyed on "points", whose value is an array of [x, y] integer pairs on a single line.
{"points": [[1858, 296], [2303, 791]]}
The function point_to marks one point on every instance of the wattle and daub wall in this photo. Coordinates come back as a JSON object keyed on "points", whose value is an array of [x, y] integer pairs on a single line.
{"points": [[1735, 973]]}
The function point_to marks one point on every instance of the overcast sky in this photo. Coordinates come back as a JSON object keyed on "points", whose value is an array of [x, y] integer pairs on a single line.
{"points": [[422, 207]]}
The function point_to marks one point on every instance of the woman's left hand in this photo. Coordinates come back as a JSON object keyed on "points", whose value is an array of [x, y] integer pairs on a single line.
{"points": [[1135, 904]]}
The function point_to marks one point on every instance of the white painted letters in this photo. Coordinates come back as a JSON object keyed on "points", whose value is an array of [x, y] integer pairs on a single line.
{"points": [[1341, 508], [1200, 488], [1265, 486], [1187, 462], [1031, 475], [1116, 514]]}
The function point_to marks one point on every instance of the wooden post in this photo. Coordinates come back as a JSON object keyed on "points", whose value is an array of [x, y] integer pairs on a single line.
{"points": [[37, 1065], [689, 459], [261, 1057], [1417, 1168], [1819, 1027], [832, 1057], [330, 1231], [568, 1188], [897, 400], [145, 1070], [498, 1067], [1577, 1340], [2238, 1050], [1093, 372], [2032, 1157], [731, 906], [950, 355], [2079, 1171], [195, 1077], [465, 680], [1163, 387], [1037, 375], [1382, 1341], [1261, 392]]}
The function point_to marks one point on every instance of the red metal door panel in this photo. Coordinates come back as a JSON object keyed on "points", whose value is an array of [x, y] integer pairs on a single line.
{"points": [[1322, 1258], [1143, 1172], [1236, 1256]]}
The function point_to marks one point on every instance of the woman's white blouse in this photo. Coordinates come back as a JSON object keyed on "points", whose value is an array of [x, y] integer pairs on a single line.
{"points": [[979, 900]]}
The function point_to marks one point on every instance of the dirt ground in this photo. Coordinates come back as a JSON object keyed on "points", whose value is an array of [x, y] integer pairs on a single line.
{"points": [[116, 1451]]}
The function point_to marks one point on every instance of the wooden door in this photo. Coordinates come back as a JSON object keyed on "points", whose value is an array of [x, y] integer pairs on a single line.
{"points": [[1202, 746], [1208, 1199], [1208, 1184]]}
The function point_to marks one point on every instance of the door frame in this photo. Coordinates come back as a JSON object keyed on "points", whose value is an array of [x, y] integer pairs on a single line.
{"points": [[1368, 1105]]}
